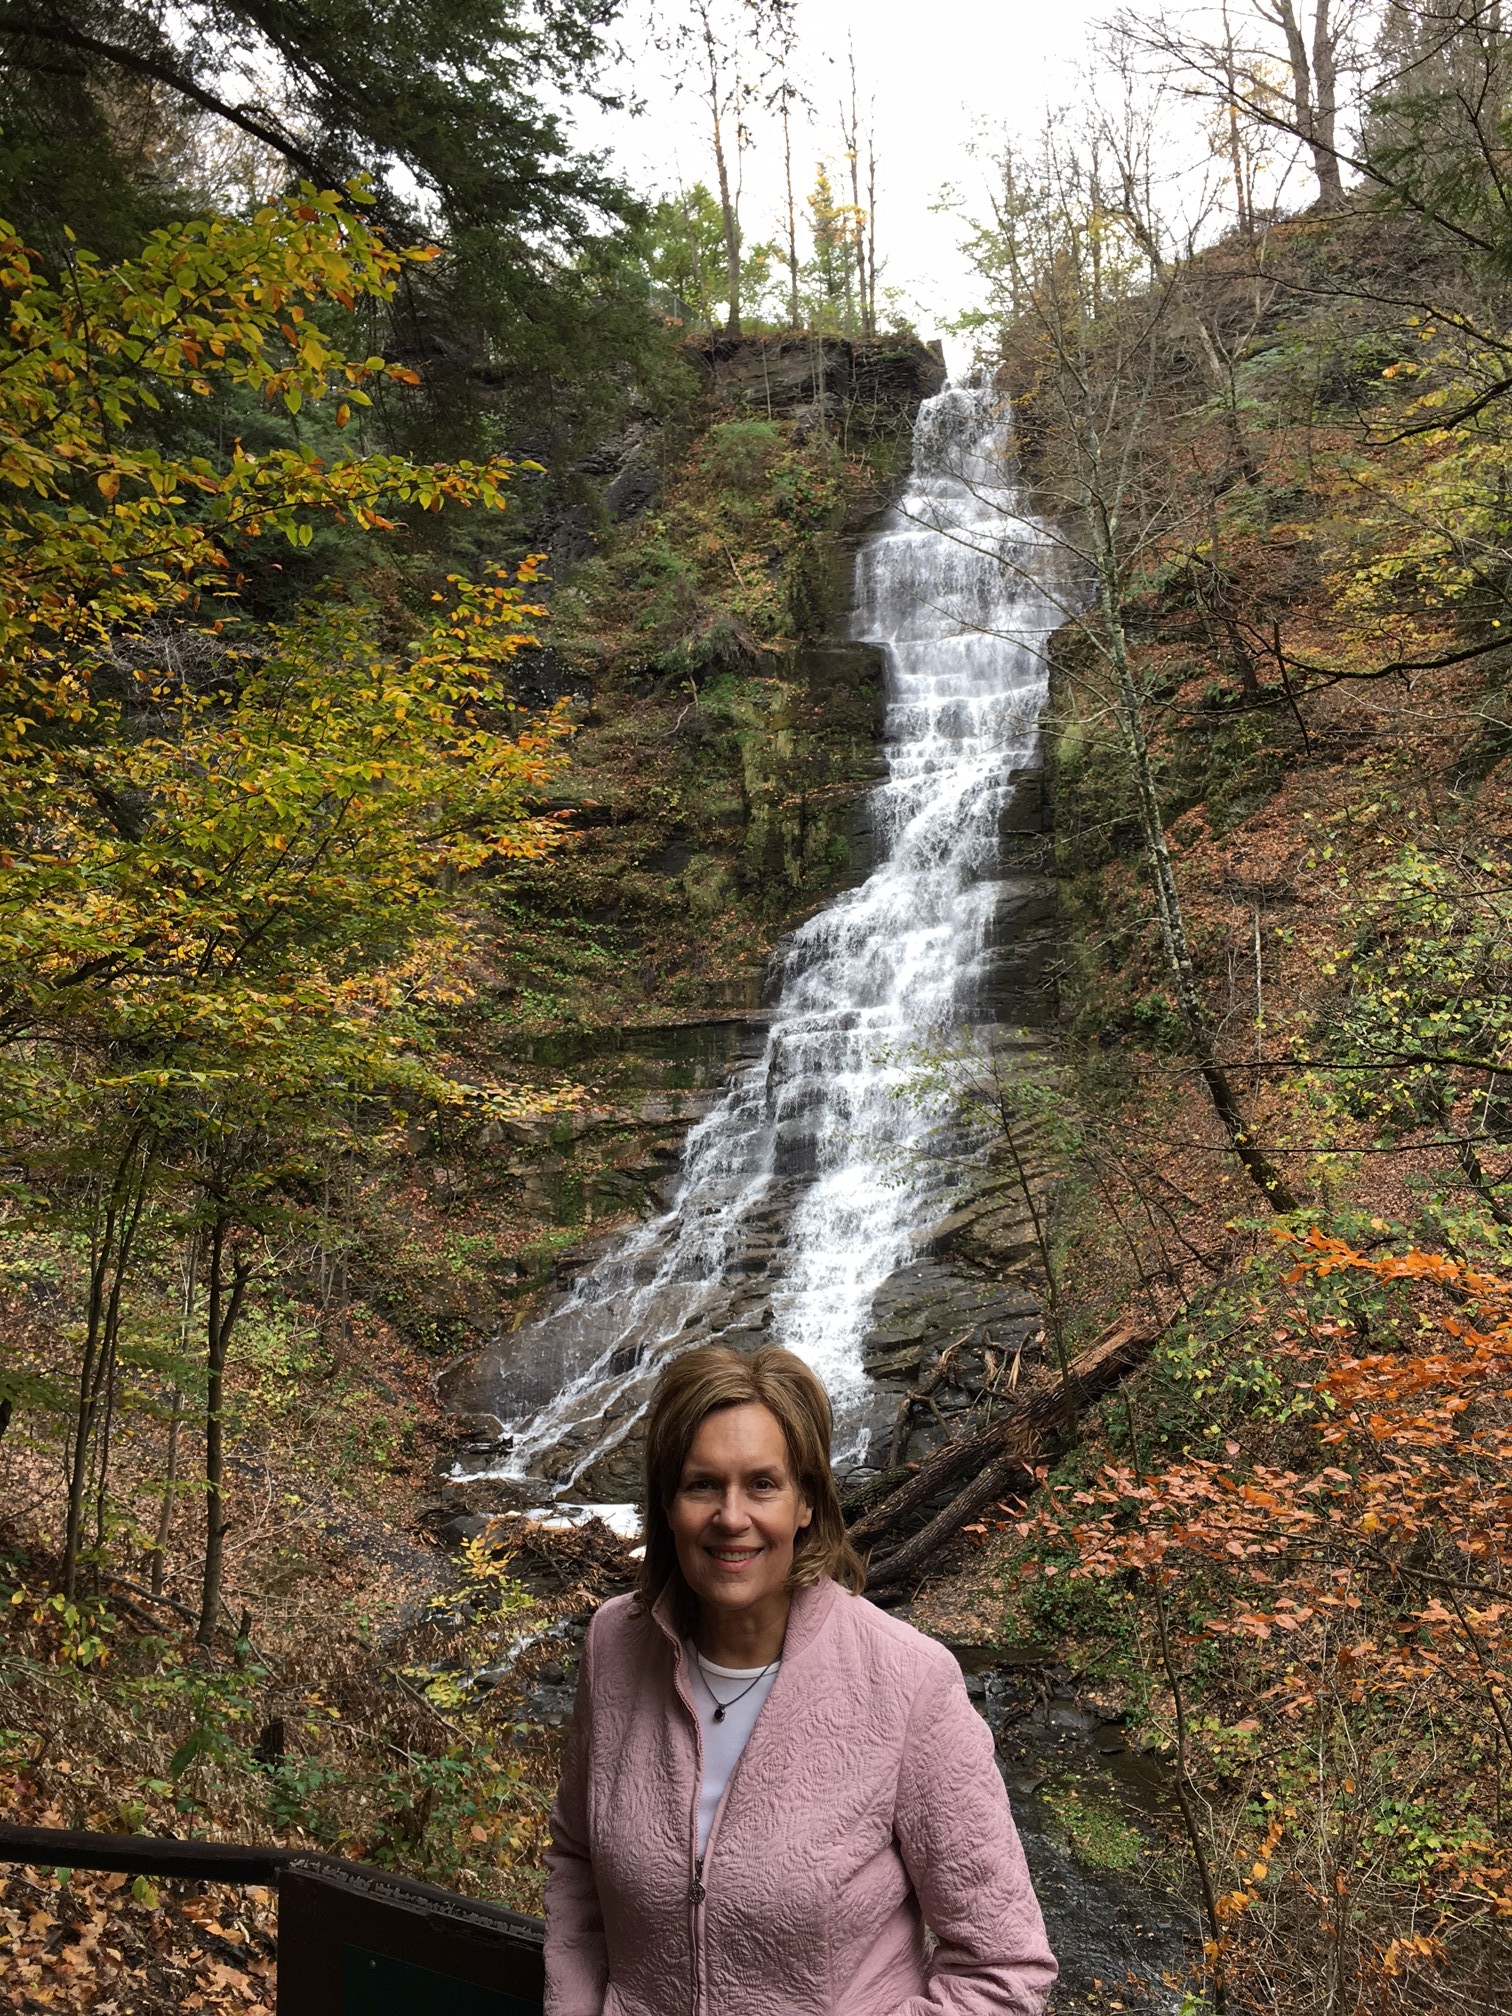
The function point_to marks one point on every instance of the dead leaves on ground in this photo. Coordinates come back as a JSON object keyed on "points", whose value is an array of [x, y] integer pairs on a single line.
{"points": [[104, 1945]]}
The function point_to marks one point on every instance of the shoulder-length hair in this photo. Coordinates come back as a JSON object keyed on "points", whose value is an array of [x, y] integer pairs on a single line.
{"points": [[699, 1383]]}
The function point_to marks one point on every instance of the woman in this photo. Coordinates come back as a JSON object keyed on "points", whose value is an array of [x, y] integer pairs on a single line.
{"points": [[771, 1786]]}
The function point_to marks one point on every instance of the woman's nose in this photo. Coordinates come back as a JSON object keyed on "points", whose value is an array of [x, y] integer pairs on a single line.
{"points": [[731, 1510]]}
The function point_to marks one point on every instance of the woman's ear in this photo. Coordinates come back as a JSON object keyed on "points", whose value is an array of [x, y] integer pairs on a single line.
{"points": [[805, 1509]]}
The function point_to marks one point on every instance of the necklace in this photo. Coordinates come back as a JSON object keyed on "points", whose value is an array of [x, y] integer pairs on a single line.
{"points": [[721, 1706]]}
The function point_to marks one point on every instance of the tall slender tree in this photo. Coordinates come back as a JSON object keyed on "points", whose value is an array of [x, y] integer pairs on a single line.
{"points": [[725, 52], [1091, 301], [862, 238]]}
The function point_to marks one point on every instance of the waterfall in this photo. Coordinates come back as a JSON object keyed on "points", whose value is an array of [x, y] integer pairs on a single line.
{"points": [[805, 1186]]}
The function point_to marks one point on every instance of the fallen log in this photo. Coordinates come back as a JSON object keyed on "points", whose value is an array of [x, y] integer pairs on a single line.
{"points": [[1006, 1474], [855, 1503], [997, 1458], [1036, 1408]]}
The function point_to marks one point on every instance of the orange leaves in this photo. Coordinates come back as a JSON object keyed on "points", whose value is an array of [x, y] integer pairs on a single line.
{"points": [[1403, 1953]]}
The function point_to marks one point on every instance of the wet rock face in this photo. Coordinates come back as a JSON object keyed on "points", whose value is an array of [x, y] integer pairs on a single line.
{"points": [[954, 926], [953, 1331]]}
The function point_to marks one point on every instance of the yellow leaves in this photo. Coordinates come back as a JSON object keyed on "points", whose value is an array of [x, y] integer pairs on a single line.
{"points": [[303, 812]]}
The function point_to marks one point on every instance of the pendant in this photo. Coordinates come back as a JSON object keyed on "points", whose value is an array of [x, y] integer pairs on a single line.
{"points": [[719, 1714]]}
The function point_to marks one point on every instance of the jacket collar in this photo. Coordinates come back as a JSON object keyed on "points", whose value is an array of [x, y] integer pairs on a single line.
{"points": [[806, 1619]]}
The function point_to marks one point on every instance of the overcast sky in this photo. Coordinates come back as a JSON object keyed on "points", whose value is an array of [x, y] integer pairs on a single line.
{"points": [[935, 77]]}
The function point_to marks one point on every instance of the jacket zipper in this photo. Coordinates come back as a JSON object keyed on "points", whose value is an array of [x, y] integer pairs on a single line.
{"points": [[696, 1892], [698, 1889]]}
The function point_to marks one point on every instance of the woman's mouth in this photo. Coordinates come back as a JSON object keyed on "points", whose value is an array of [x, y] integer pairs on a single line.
{"points": [[733, 1557]]}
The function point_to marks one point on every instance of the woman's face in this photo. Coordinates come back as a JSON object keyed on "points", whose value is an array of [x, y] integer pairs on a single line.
{"points": [[737, 1510]]}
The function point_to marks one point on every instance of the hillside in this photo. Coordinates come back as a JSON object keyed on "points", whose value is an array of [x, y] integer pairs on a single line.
{"points": [[1280, 1549], [722, 736]]}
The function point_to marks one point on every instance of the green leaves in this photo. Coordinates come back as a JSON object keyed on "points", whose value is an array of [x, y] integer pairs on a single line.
{"points": [[1429, 983]]}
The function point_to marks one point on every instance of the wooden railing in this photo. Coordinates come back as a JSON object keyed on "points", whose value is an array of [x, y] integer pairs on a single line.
{"points": [[352, 1940]]}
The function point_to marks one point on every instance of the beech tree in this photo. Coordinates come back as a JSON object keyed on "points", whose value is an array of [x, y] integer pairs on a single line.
{"points": [[1366, 1534], [224, 847]]}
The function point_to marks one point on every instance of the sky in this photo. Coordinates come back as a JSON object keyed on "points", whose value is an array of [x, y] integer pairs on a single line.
{"points": [[936, 81]]}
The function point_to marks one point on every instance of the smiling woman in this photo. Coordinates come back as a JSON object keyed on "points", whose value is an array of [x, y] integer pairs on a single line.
{"points": [[771, 1786]]}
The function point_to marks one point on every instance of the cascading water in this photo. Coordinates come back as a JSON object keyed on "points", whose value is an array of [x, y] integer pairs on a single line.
{"points": [[805, 1186]]}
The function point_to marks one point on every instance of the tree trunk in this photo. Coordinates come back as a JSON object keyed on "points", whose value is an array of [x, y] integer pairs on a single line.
{"points": [[1325, 67], [1173, 936], [871, 236], [1314, 92], [1037, 1408], [225, 1302], [1285, 15], [726, 201], [107, 1276], [82, 1437], [851, 136], [792, 214], [1242, 204], [175, 1420], [165, 1510], [732, 241]]}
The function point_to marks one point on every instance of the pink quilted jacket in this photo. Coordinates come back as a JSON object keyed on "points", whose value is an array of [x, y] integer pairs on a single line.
{"points": [[866, 1805]]}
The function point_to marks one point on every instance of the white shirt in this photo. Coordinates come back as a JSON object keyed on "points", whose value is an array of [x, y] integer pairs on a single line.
{"points": [[723, 1742]]}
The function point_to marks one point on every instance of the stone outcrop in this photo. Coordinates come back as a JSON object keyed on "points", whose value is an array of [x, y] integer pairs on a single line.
{"points": [[865, 395], [862, 392]]}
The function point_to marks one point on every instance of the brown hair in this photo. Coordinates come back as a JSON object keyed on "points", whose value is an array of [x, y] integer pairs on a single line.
{"points": [[698, 1384]]}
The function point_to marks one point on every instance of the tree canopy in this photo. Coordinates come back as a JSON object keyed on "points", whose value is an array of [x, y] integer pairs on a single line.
{"points": [[115, 119]]}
